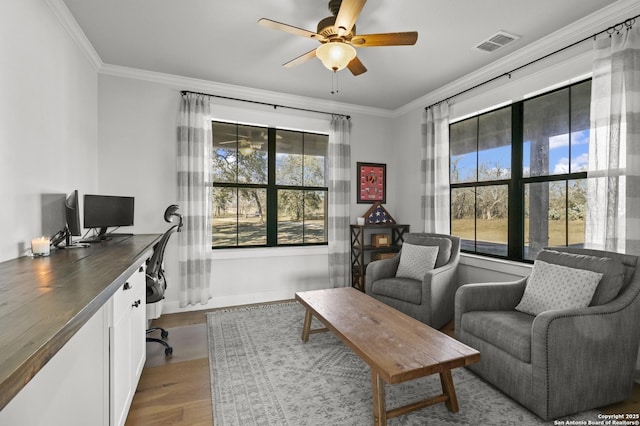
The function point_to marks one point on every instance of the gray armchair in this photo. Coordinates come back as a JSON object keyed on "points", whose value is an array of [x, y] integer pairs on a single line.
{"points": [[430, 300], [564, 361]]}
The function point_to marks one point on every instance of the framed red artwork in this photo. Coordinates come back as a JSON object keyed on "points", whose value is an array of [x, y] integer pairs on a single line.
{"points": [[372, 183]]}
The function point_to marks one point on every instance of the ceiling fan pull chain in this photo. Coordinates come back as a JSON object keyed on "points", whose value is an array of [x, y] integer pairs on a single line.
{"points": [[334, 83]]}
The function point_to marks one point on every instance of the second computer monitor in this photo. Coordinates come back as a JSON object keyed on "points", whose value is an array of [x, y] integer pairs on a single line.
{"points": [[105, 211]]}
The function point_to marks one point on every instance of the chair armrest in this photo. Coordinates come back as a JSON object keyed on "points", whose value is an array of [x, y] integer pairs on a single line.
{"points": [[439, 287], [501, 296], [379, 269], [574, 350], [439, 277]]}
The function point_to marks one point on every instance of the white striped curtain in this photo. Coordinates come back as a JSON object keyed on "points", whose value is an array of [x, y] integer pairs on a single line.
{"points": [[613, 198], [339, 202], [194, 198], [434, 169]]}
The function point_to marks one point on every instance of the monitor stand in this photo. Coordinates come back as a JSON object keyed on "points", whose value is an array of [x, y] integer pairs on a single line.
{"points": [[69, 244], [99, 237]]}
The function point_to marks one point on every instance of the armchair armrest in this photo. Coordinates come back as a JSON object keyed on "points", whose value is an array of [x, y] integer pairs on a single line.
{"points": [[501, 296], [379, 269], [439, 287], [574, 350]]}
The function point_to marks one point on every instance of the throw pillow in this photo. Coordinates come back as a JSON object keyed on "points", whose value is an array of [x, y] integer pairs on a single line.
{"points": [[611, 269], [415, 261], [444, 245], [552, 287]]}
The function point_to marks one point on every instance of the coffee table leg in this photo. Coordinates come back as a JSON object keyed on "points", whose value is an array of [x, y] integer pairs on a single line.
{"points": [[379, 404], [307, 326], [447, 388]]}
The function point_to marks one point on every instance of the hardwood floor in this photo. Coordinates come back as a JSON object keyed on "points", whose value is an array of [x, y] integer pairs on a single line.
{"points": [[177, 390]]}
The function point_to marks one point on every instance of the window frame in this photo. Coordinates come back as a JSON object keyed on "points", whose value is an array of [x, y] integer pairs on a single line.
{"points": [[517, 182], [271, 188]]}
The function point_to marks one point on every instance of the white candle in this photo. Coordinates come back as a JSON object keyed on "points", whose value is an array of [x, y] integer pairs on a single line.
{"points": [[40, 246]]}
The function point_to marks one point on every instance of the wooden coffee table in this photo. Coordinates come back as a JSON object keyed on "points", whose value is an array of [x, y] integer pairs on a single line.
{"points": [[396, 347]]}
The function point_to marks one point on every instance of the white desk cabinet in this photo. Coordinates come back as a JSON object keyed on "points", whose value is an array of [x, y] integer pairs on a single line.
{"points": [[128, 346], [72, 387]]}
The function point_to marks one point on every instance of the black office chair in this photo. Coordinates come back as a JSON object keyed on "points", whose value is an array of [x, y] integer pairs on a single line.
{"points": [[156, 283]]}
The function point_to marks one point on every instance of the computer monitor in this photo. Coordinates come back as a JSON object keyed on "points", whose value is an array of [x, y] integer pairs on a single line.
{"points": [[73, 228], [105, 211], [72, 213], [69, 219]]}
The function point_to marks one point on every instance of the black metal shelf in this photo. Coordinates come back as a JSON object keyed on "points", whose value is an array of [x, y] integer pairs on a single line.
{"points": [[361, 252]]}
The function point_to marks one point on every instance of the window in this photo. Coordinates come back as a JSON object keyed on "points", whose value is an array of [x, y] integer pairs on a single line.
{"points": [[269, 186], [518, 175]]}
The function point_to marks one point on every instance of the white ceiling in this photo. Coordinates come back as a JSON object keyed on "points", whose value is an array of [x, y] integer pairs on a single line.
{"points": [[220, 41]]}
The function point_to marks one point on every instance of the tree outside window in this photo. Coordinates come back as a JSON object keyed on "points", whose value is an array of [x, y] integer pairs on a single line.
{"points": [[269, 186]]}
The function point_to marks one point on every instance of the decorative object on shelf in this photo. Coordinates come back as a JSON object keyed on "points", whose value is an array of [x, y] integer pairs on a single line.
{"points": [[380, 240], [378, 215], [381, 256], [372, 183]]}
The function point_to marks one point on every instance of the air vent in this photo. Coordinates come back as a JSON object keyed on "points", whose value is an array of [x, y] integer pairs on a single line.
{"points": [[496, 41]]}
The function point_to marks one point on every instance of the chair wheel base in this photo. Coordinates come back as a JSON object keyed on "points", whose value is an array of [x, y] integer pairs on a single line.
{"points": [[168, 350]]}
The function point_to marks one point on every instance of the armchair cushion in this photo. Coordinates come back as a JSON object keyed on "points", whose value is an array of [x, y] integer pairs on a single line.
{"points": [[612, 270], [508, 330], [415, 261], [552, 287]]}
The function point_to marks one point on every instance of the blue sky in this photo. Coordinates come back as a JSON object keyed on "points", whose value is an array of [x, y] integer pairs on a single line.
{"points": [[558, 155]]}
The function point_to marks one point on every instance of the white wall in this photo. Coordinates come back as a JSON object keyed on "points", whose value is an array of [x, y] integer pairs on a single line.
{"points": [[48, 119], [137, 148]]}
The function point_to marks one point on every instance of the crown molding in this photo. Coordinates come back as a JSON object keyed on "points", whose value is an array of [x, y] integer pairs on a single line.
{"points": [[70, 24], [597, 21], [240, 92], [585, 27]]}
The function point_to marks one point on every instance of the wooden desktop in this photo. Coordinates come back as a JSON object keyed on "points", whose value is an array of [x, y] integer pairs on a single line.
{"points": [[46, 301]]}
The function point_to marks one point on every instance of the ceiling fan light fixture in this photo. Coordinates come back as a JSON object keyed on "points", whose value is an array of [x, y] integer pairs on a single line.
{"points": [[335, 55]]}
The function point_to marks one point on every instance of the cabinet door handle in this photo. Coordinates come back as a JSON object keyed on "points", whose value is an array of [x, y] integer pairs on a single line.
{"points": [[127, 286], [136, 303]]}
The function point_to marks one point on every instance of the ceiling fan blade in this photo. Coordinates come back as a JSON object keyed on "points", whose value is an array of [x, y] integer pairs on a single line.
{"points": [[300, 59], [268, 23], [385, 39], [356, 66], [347, 15]]}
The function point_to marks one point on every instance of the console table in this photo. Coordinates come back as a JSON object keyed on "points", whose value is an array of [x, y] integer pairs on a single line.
{"points": [[72, 318]]}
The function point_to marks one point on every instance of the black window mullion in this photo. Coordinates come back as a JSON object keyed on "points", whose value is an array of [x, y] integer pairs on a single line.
{"points": [[515, 203], [272, 191]]}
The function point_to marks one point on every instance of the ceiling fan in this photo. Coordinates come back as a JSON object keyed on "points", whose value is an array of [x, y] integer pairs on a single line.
{"points": [[337, 35]]}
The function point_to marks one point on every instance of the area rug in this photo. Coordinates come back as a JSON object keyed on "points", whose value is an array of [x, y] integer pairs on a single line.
{"points": [[263, 374]]}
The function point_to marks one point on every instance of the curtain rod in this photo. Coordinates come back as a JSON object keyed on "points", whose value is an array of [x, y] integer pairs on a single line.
{"points": [[614, 28], [348, 117]]}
